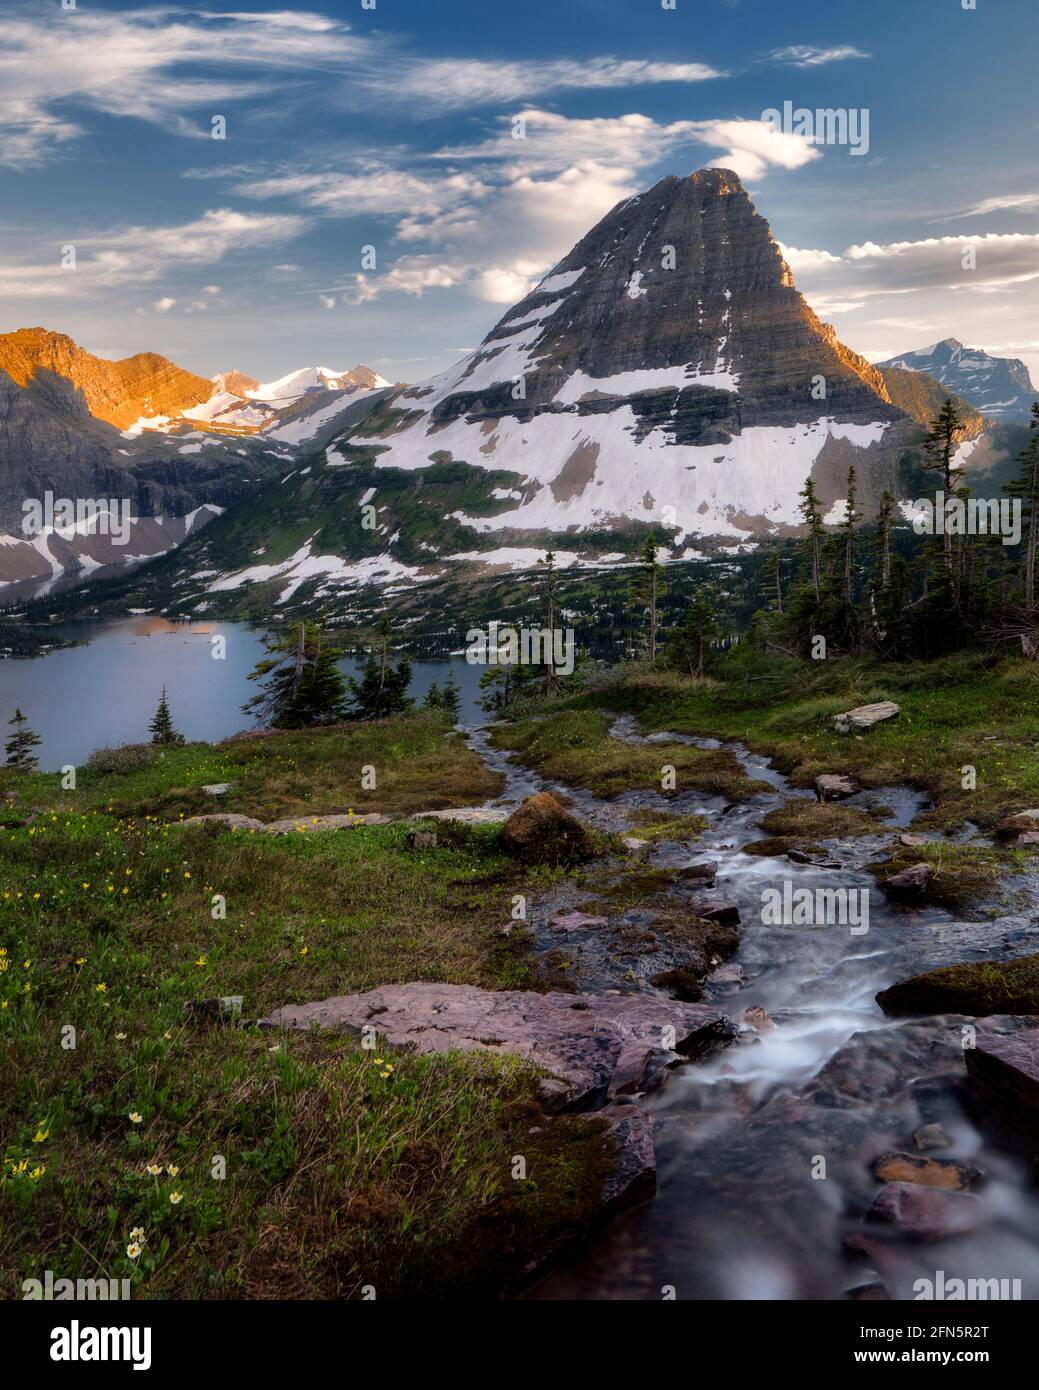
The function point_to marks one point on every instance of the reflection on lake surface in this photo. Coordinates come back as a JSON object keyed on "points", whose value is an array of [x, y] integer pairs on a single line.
{"points": [[105, 693]]}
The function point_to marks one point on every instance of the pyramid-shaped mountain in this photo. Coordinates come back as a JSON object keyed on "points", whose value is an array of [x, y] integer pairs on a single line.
{"points": [[666, 370]]}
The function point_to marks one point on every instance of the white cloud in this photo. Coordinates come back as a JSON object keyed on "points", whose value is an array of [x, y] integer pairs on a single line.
{"points": [[504, 210], [133, 64], [873, 284], [553, 142], [169, 64], [451, 83], [806, 55], [163, 306], [137, 255]]}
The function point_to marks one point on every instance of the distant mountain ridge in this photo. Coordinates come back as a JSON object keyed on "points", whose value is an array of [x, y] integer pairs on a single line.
{"points": [[117, 392], [1000, 387], [170, 448]]}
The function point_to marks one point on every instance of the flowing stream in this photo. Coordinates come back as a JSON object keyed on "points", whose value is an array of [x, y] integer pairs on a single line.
{"points": [[764, 1150]]}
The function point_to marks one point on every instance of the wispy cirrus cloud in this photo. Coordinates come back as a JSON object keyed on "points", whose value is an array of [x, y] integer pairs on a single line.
{"points": [[451, 83], [161, 66], [176, 66], [129, 256], [1007, 202], [806, 55]]}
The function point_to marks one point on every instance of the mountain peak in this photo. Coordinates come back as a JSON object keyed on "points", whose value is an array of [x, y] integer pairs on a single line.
{"points": [[666, 367]]}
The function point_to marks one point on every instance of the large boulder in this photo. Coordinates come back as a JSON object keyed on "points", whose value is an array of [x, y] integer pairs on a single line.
{"points": [[586, 1040], [542, 831], [865, 716], [975, 988]]}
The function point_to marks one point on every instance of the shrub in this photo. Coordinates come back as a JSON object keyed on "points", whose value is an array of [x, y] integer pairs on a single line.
{"points": [[112, 761]]}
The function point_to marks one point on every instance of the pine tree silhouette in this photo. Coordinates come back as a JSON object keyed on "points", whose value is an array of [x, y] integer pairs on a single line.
{"points": [[20, 745], [161, 727]]}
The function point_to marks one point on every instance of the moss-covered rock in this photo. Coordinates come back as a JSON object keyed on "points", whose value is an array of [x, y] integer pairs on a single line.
{"points": [[818, 820], [542, 831], [976, 988]]}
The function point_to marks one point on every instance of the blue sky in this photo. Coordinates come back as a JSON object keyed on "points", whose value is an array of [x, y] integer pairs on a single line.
{"points": [[391, 128]]}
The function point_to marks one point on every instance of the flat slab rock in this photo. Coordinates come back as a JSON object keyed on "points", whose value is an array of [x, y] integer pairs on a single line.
{"points": [[586, 1040], [634, 1174], [468, 815], [229, 818], [865, 716], [290, 825], [834, 786]]}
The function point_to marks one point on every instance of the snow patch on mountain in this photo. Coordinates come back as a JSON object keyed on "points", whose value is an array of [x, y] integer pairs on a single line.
{"points": [[589, 469]]}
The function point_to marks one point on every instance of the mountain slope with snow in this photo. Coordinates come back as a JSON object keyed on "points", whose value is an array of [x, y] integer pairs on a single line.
{"points": [[665, 371], [1000, 387]]}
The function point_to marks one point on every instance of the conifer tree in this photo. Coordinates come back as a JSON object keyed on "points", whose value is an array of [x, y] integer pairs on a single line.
{"points": [[812, 516], [885, 525], [940, 444], [690, 643], [434, 699], [161, 728], [647, 591], [300, 681], [772, 578], [451, 697], [20, 744]]}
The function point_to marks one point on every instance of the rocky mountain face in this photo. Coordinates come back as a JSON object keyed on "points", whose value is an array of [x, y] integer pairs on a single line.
{"points": [[999, 387], [119, 393], [666, 370]]}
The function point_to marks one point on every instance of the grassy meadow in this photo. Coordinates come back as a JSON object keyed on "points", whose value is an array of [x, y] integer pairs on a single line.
{"points": [[225, 1161]]}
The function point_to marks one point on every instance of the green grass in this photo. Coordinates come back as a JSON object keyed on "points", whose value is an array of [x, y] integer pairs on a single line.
{"points": [[965, 874], [418, 765], [575, 747], [975, 710], [341, 1168]]}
